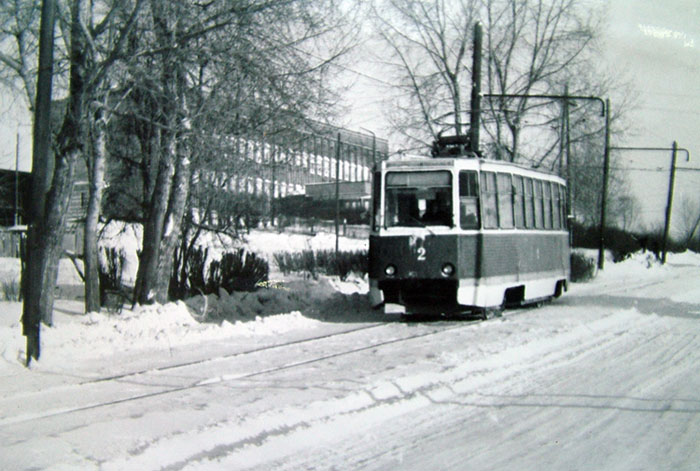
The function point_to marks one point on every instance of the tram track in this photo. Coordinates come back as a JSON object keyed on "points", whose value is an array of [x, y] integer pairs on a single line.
{"points": [[147, 377], [140, 379], [229, 355]]}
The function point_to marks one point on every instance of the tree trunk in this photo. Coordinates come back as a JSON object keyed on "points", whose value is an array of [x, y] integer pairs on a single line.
{"points": [[31, 279], [693, 231], [96, 168], [515, 135], [153, 227], [163, 223], [173, 227], [48, 220], [54, 227]]}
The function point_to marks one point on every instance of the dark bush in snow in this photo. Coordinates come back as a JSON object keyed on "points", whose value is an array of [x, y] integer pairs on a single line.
{"points": [[235, 271], [10, 290], [195, 273], [312, 263], [620, 243], [348, 262], [238, 271], [582, 267], [112, 290]]}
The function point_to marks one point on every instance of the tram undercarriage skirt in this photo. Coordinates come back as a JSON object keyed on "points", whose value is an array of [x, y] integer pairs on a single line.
{"points": [[419, 292]]}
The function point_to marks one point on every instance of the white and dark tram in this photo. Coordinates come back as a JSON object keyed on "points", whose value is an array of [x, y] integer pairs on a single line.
{"points": [[458, 234]]}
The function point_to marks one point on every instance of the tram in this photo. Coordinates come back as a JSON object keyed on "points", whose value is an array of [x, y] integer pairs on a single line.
{"points": [[455, 233]]}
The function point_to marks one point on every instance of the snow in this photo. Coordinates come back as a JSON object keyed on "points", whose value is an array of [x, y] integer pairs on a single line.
{"points": [[603, 378]]}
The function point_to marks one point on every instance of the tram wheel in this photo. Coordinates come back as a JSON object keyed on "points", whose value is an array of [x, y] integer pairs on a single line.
{"points": [[490, 312]]}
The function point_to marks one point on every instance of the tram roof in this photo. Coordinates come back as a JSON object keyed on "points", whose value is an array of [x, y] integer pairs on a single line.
{"points": [[467, 163]]}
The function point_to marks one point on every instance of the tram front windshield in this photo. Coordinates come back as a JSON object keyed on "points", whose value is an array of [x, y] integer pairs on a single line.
{"points": [[419, 199]]}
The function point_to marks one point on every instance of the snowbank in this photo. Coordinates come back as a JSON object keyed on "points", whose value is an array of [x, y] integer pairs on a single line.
{"points": [[148, 328], [278, 308], [283, 305]]}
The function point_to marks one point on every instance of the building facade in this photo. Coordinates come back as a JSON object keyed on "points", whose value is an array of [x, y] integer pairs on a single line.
{"points": [[276, 168]]}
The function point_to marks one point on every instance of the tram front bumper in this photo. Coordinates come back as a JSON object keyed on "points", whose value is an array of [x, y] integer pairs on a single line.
{"points": [[393, 308], [376, 295]]}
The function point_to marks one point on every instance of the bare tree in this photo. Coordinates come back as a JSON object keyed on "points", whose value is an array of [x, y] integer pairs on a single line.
{"points": [[530, 47], [33, 272], [106, 36], [246, 68], [430, 43], [19, 27], [627, 212], [689, 220], [100, 37]]}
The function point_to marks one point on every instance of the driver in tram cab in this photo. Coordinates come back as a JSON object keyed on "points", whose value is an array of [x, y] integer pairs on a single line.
{"points": [[438, 211]]}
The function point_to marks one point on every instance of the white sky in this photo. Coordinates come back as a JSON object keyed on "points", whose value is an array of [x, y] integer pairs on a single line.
{"points": [[655, 43], [658, 44]]}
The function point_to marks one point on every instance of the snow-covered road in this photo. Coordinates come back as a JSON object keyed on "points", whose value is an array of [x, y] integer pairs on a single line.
{"points": [[606, 377]]}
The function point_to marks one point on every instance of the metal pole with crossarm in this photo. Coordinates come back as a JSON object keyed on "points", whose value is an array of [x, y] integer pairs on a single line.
{"points": [[605, 111], [606, 171], [672, 178]]}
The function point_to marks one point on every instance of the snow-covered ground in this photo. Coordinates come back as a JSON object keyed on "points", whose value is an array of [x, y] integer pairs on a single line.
{"points": [[605, 377]]}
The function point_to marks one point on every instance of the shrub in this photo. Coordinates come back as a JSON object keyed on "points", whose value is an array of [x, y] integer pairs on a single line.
{"points": [[195, 269], [620, 243], [10, 290], [322, 261], [235, 271], [582, 267], [304, 261], [111, 268], [349, 262], [238, 271]]}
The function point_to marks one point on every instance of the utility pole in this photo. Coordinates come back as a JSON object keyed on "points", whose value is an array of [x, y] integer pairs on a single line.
{"points": [[565, 152], [606, 171], [562, 129], [337, 196], [605, 112], [669, 203], [475, 111], [564, 147], [31, 315], [569, 181], [17, 181], [374, 145], [672, 178]]}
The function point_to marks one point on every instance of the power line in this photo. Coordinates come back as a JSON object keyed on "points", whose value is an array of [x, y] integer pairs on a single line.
{"points": [[341, 66], [637, 169], [661, 108], [681, 95]]}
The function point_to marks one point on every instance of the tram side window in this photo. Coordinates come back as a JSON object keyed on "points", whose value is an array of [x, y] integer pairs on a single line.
{"points": [[529, 204], [564, 208], [556, 207], [519, 201], [468, 200], [547, 202], [539, 218], [418, 198], [505, 201], [489, 209]]}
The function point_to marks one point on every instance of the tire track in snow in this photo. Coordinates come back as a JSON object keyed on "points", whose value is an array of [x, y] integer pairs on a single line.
{"points": [[541, 409], [407, 396], [530, 411], [146, 380]]}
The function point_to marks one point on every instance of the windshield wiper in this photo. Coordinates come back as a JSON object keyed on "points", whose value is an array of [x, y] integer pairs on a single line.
{"points": [[422, 224]]}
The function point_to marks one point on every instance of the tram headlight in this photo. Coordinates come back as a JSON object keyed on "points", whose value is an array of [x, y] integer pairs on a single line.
{"points": [[390, 270], [448, 269]]}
